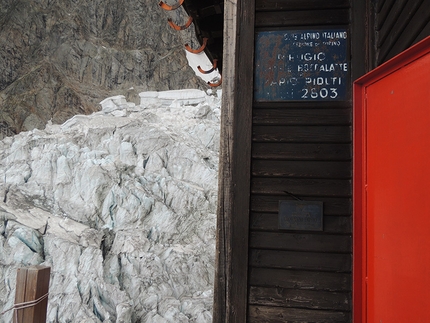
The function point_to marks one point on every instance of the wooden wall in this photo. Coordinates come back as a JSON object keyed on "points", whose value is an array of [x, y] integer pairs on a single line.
{"points": [[267, 148], [303, 148], [398, 25]]}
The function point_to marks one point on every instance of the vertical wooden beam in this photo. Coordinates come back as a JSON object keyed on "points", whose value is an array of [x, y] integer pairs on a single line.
{"points": [[21, 279], [32, 283], [231, 277], [361, 37]]}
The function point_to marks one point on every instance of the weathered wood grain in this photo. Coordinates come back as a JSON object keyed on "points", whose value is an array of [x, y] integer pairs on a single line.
{"points": [[285, 297], [400, 42], [300, 260], [299, 4], [32, 283], [425, 32], [389, 30], [286, 315], [300, 279], [300, 187], [384, 12], [301, 169], [320, 134], [301, 116], [332, 206], [314, 242], [302, 151], [316, 105], [21, 281], [300, 18], [269, 222], [231, 288]]}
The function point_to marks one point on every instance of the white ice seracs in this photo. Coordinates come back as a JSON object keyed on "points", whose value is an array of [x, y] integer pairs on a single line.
{"points": [[121, 206]]}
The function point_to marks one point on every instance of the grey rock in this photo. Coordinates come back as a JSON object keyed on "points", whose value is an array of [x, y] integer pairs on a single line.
{"points": [[61, 58]]}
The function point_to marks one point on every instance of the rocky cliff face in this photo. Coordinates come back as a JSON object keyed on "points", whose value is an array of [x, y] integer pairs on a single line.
{"points": [[121, 205], [59, 58]]}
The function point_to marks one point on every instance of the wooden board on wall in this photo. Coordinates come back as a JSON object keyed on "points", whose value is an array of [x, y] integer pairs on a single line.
{"points": [[302, 149], [399, 24]]}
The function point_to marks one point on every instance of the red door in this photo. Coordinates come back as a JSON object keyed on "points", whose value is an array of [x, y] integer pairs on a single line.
{"points": [[392, 190]]}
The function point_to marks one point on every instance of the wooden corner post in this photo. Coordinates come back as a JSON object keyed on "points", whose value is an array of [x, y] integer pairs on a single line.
{"points": [[231, 289], [31, 295]]}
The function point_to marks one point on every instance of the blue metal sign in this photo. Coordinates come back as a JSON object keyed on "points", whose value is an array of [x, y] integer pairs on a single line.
{"points": [[309, 65]]}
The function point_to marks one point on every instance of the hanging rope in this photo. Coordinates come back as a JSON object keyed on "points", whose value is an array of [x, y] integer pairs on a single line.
{"points": [[20, 306]]}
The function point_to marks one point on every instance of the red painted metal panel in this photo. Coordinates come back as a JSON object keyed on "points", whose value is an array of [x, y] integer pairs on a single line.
{"points": [[392, 190]]}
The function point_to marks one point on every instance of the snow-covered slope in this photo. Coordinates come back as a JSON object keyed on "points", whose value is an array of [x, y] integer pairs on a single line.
{"points": [[121, 205]]}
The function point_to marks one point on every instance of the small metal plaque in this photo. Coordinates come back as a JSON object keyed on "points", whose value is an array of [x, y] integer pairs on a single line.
{"points": [[301, 65], [301, 215]]}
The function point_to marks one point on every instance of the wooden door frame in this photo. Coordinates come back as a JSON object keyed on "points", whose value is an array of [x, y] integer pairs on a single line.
{"points": [[359, 170], [231, 276]]}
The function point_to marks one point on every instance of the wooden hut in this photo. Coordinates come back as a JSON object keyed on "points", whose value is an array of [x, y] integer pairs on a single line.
{"points": [[285, 245]]}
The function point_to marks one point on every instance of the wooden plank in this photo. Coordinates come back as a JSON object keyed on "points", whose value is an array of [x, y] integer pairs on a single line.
{"points": [[301, 116], [389, 31], [230, 291], [285, 297], [302, 18], [302, 151], [314, 242], [360, 39], [379, 5], [267, 5], [267, 314], [302, 105], [423, 34], [302, 187], [300, 260], [320, 134], [405, 16], [37, 286], [269, 222], [32, 283], [42, 275], [369, 23], [309, 280], [21, 279], [409, 33], [302, 169], [383, 13], [270, 203], [30, 294]]}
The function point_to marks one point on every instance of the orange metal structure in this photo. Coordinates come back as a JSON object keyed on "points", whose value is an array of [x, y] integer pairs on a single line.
{"points": [[169, 8], [214, 65], [177, 27], [391, 268], [198, 50]]}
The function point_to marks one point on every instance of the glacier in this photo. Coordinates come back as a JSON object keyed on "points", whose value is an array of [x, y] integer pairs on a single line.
{"points": [[121, 204]]}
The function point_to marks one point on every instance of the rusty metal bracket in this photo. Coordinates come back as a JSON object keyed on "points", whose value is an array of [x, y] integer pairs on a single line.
{"points": [[214, 65], [167, 7], [176, 27], [199, 50], [215, 84]]}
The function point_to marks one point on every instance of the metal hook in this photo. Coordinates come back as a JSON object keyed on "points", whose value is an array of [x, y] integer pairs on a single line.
{"points": [[176, 27], [209, 71], [174, 7], [215, 84], [199, 50]]}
